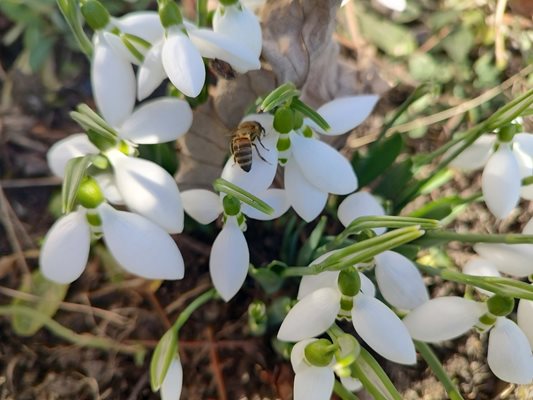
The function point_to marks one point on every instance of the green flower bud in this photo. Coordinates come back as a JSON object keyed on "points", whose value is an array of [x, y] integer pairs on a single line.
{"points": [[298, 120], [170, 14], [89, 193], [231, 205], [308, 133], [349, 282], [500, 306], [283, 120], [284, 143], [257, 318], [95, 14], [320, 352]]}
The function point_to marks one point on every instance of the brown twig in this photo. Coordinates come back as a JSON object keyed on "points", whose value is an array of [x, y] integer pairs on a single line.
{"points": [[499, 39], [184, 297], [215, 365], [158, 309], [30, 182]]}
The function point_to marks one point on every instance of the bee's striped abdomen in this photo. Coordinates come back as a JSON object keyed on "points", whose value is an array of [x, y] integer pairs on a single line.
{"points": [[241, 147]]}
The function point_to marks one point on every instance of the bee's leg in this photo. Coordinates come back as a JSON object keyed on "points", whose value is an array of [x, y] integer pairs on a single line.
{"points": [[259, 154], [261, 143]]}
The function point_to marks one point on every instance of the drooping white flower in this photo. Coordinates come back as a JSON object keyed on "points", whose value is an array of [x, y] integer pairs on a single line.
{"points": [[318, 309], [360, 204], [310, 382], [173, 381], [399, 281], [75, 145], [229, 259], [504, 169], [313, 168], [138, 245]]}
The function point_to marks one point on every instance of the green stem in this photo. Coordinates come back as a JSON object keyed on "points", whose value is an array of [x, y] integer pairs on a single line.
{"points": [[84, 340], [389, 221], [431, 359], [201, 13], [359, 252], [450, 236], [222, 185], [70, 11], [342, 392], [195, 304]]}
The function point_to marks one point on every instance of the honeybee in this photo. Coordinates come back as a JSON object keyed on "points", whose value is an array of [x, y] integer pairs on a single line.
{"points": [[242, 140]]}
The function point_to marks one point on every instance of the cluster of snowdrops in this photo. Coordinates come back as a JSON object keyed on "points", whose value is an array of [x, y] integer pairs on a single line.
{"points": [[133, 205]]}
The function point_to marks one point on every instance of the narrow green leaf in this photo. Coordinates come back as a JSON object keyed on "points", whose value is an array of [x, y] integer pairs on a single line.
{"points": [[373, 378], [48, 296], [72, 14], [379, 158], [395, 180], [164, 353], [279, 96], [300, 106], [307, 250], [74, 173]]}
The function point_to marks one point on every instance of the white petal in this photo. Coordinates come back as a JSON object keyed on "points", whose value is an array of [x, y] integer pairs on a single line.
{"points": [[113, 83], [399, 281], [524, 319], [240, 25], [151, 72], [140, 246], [360, 204], [528, 228], [396, 5], [65, 248], [61, 152], [480, 266], [183, 63], [148, 190], [158, 121], [214, 45], [323, 166], [109, 188], [311, 283], [443, 318], [525, 163], [501, 182], [313, 383], [172, 384], [311, 316], [509, 354], [229, 260], [307, 200], [202, 205], [262, 173], [512, 259], [367, 286], [382, 330], [352, 384], [144, 24], [524, 141], [345, 113], [275, 198], [475, 156]]}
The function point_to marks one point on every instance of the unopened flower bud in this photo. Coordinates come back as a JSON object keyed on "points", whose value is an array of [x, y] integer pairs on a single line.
{"points": [[349, 282], [257, 317], [89, 193], [95, 14], [283, 120], [320, 352], [500, 305], [231, 205]]}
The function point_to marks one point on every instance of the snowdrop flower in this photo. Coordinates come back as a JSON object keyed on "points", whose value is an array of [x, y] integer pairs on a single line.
{"points": [[360, 204], [310, 382], [230, 257], [177, 54], [504, 168], [142, 185], [313, 168], [138, 245], [173, 382], [444, 318], [319, 306]]}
